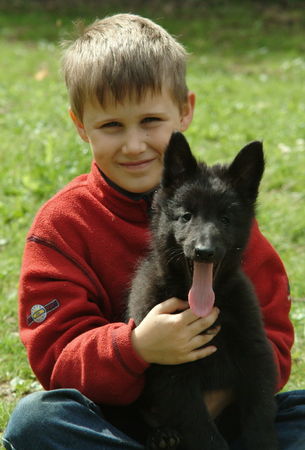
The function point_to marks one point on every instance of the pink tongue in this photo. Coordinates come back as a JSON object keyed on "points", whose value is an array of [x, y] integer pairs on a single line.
{"points": [[201, 295]]}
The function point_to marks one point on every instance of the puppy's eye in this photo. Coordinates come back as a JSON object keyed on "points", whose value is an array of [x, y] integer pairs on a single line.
{"points": [[186, 217], [225, 220]]}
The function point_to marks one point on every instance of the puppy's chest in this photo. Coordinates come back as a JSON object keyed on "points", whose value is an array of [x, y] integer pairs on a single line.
{"points": [[219, 370]]}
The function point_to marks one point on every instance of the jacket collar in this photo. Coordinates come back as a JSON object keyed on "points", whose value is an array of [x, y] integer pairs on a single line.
{"points": [[126, 205]]}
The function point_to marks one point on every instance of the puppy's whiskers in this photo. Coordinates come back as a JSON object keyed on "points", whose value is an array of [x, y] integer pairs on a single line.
{"points": [[174, 255]]}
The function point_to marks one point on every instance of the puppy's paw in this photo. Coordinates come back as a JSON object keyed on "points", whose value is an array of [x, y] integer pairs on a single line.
{"points": [[163, 439]]}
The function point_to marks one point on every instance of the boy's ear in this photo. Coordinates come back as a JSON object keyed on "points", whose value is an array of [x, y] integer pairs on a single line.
{"points": [[247, 169], [179, 162], [188, 111], [79, 126]]}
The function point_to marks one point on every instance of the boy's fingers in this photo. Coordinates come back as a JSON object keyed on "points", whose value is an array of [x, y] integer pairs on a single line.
{"points": [[201, 353], [171, 306], [202, 339], [213, 330], [199, 324]]}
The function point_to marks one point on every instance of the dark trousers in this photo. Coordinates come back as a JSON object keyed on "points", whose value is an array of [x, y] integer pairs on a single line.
{"points": [[65, 419]]}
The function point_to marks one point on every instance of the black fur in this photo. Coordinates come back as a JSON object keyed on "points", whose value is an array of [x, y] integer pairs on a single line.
{"points": [[209, 208]]}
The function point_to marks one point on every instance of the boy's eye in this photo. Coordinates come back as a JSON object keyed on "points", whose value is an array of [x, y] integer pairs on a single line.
{"points": [[151, 120], [111, 125]]}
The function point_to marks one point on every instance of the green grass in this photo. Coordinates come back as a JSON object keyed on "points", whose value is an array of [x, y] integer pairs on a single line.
{"points": [[247, 67]]}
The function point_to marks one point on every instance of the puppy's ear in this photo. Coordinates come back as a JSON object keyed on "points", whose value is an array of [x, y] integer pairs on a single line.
{"points": [[247, 169], [179, 163]]}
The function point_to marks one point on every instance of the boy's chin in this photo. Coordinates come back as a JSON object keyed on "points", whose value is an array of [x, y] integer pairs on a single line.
{"points": [[139, 185]]}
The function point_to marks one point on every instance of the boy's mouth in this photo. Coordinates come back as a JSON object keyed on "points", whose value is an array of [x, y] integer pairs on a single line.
{"points": [[136, 165]]}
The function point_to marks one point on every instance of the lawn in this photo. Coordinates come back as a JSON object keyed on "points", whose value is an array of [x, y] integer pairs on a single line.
{"points": [[247, 67]]}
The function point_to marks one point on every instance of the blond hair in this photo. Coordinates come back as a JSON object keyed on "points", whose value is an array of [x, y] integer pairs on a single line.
{"points": [[123, 55]]}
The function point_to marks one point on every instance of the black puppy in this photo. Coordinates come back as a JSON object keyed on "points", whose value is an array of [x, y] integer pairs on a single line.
{"points": [[200, 226]]}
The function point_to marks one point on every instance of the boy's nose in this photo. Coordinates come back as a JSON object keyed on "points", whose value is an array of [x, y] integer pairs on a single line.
{"points": [[134, 143]]}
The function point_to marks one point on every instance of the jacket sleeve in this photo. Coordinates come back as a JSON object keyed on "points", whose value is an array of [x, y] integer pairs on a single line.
{"points": [[267, 273], [69, 341]]}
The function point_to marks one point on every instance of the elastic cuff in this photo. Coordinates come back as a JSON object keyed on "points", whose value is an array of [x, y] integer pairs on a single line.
{"points": [[128, 356]]}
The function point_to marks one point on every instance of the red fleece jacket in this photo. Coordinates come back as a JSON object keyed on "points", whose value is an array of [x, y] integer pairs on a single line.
{"points": [[79, 257]]}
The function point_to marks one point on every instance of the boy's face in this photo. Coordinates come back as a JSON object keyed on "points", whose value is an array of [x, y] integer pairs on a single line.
{"points": [[128, 139]]}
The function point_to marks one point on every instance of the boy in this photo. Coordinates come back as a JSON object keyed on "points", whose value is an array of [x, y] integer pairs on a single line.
{"points": [[126, 81]]}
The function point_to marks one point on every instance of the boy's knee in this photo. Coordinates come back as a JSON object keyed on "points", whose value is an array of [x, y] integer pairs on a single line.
{"points": [[39, 413], [25, 419], [28, 411]]}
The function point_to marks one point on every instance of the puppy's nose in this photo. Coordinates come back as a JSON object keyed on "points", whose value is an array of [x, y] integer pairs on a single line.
{"points": [[203, 253]]}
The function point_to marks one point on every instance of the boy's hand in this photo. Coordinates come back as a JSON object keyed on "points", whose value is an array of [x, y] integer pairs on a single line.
{"points": [[172, 334]]}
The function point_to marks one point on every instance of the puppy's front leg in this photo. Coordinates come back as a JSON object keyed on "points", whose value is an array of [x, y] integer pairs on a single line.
{"points": [[182, 417], [198, 429]]}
